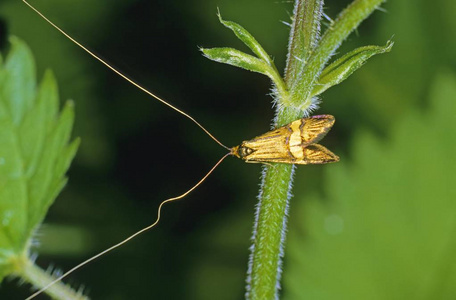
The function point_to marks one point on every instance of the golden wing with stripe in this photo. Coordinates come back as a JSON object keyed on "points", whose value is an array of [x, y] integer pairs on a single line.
{"points": [[316, 154], [313, 129], [292, 144]]}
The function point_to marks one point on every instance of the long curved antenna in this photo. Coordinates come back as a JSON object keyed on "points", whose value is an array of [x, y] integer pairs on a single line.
{"points": [[131, 236], [122, 75]]}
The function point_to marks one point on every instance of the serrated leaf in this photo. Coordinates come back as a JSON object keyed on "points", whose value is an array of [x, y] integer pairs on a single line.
{"points": [[342, 68], [239, 59], [44, 178], [242, 34], [34, 151], [387, 227]]}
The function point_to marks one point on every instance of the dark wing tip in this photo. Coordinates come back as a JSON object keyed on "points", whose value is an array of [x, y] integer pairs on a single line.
{"points": [[318, 154], [330, 119]]}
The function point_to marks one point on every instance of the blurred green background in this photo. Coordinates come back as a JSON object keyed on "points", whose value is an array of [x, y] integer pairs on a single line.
{"points": [[380, 224]]}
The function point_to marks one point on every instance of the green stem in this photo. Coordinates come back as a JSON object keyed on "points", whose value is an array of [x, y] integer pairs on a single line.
{"points": [[303, 37], [281, 87], [271, 218], [270, 223], [305, 61], [39, 278]]}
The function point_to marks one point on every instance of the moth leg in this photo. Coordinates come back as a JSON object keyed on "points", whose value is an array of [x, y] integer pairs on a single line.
{"points": [[253, 161], [259, 162]]}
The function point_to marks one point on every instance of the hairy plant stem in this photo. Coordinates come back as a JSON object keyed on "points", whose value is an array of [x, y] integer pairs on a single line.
{"points": [[306, 59], [28, 271]]}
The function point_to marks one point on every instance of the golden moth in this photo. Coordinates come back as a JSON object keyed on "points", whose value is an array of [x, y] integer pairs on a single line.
{"points": [[294, 143]]}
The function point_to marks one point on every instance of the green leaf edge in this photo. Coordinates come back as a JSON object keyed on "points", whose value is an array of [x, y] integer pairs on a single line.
{"points": [[345, 66]]}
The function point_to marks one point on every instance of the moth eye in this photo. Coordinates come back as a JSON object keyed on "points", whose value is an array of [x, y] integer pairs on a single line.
{"points": [[244, 151]]}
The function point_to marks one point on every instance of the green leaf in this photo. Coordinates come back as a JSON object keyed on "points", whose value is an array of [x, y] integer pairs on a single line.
{"points": [[247, 39], [34, 153], [342, 68], [239, 59], [263, 64], [386, 229]]}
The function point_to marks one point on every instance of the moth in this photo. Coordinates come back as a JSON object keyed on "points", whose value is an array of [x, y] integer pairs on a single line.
{"points": [[294, 143]]}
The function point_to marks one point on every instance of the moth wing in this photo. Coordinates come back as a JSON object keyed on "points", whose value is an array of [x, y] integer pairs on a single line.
{"points": [[270, 137], [315, 128], [268, 147], [316, 154]]}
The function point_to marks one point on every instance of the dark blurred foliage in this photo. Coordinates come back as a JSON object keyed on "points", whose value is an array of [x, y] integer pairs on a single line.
{"points": [[137, 152]]}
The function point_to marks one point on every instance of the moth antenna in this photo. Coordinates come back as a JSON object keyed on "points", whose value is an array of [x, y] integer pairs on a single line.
{"points": [[121, 74], [131, 236]]}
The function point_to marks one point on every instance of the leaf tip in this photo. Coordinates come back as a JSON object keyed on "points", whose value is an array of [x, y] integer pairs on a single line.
{"points": [[210, 53], [69, 103], [219, 15], [49, 78], [76, 143], [389, 45], [14, 39], [203, 50], [224, 23], [18, 44], [68, 111]]}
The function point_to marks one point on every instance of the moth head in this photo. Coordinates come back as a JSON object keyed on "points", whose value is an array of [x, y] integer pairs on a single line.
{"points": [[241, 151]]}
